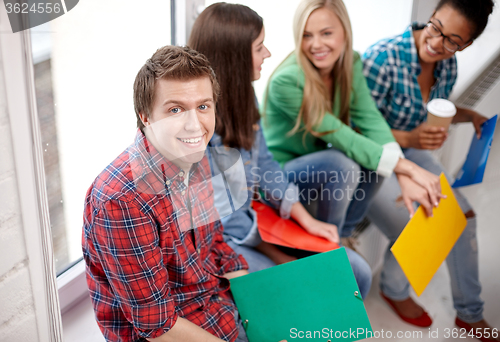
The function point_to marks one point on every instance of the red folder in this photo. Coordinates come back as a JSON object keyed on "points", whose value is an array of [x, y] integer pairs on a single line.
{"points": [[278, 231]]}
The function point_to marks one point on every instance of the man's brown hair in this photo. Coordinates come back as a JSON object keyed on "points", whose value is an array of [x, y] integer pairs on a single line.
{"points": [[169, 62]]}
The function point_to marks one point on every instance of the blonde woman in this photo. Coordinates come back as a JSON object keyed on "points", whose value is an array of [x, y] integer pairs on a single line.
{"points": [[322, 125]]}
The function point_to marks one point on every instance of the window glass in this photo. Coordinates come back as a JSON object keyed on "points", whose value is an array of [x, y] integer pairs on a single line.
{"points": [[85, 66]]}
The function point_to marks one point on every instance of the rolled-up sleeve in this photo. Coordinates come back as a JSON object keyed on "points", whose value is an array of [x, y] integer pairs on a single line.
{"points": [[390, 156], [126, 241], [225, 258]]}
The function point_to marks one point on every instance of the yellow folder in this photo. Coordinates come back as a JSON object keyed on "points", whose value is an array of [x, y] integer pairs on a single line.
{"points": [[426, 241]]}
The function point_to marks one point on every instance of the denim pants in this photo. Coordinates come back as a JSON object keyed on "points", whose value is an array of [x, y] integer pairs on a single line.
{"points": [[242, 335], [343, 191], [391, 217]]}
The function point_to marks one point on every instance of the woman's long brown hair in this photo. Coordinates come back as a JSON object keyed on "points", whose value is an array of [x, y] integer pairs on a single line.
{"points": [[224, 33]]}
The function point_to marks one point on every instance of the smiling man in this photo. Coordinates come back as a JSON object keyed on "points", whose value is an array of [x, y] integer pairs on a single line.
{"points": [[156, 262]]}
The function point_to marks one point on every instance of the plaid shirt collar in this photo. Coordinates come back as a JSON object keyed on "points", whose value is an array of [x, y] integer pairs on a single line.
{"points": [[145, 159]]}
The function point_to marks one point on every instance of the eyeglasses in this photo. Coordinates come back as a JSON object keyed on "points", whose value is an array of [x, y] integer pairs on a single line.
{"points": [[448, 43]]}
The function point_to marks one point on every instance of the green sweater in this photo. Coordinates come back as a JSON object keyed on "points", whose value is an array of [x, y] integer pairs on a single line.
{"points": [[282, 103]]}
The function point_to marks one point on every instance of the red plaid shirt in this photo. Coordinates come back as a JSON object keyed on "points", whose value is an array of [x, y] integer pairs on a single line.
{"points": [[148, 259]]}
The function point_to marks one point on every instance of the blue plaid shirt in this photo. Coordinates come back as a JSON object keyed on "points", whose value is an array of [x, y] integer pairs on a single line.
{"points": [[391, 68]]}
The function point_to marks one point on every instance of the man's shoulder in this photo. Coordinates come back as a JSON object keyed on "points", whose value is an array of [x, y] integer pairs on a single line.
{"points": [[116, 182]]}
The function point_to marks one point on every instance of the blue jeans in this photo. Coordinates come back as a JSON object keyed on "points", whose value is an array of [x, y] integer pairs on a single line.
{"points": [[391, 218], [343, 191], [242, 335]]}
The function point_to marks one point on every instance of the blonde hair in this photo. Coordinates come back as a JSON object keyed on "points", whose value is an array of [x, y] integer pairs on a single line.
{"points": [[317, 100]]}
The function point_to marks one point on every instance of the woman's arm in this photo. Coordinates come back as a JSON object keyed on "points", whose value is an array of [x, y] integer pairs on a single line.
{"points": [[274, 253], [273, 178], [468, 115]]}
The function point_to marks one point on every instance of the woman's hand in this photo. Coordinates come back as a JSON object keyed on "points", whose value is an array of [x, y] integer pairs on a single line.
{"points": [[412, 192], [313, 226], [427, 180], [426, 137], [477, 121], [323, 229]]}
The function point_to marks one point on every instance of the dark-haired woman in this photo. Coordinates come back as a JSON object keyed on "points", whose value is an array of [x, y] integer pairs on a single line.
{"points": [[404, 73], [232, 38]]}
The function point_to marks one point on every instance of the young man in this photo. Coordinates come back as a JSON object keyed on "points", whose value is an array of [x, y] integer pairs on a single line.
{"points": [[404, 73], [156, 262]]}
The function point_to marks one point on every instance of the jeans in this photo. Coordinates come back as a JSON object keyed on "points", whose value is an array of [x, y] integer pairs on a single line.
{"points": [[343, 190], [391, 218], [242, 335]]}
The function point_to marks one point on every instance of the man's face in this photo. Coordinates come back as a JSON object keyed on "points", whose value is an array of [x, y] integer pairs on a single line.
{"points": [[182, 120]]}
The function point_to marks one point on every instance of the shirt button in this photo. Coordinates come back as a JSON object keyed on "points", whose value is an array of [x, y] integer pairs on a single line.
{"points": [[167, 182], [220, 298], [181, 173], [183, 193], [198, 250]]}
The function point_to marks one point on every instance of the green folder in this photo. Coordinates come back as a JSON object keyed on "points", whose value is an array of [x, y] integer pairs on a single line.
{"points": [[314, 298]]}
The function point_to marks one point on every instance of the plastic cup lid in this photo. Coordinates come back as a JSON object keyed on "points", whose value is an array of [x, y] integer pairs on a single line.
{"points": [[442, 108]]}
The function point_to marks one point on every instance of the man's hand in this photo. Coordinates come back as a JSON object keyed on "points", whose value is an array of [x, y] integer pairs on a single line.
{"points": [[426, 137]]}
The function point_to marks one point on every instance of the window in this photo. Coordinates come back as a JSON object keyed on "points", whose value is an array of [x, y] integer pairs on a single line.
{"points": [[85, 64]]}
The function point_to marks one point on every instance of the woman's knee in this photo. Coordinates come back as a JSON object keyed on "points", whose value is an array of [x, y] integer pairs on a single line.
{"points": [[340, 169], [330, 168]]}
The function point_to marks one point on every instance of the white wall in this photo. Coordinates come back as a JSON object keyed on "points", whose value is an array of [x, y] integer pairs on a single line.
{"points": [[17, 313], [471, 60], [370, 20]]}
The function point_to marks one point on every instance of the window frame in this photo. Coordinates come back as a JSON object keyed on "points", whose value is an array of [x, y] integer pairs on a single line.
{"points": [[28, 159]]}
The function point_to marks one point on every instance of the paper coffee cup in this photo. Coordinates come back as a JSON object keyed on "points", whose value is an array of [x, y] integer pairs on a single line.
{"points": [[440, 113]]}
